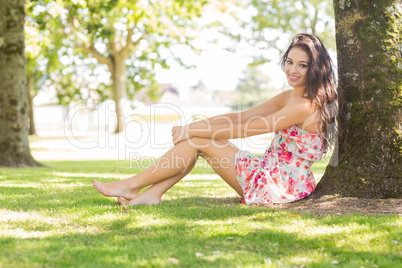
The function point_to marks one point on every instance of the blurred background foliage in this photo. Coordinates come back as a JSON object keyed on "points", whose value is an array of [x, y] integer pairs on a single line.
{"points": [[92, 50]]}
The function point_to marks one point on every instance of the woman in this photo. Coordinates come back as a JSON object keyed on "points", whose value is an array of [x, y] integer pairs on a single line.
{"points": [[299, 118]]}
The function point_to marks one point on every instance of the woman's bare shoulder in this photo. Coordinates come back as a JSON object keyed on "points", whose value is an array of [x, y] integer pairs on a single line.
{"points": [[305, 105], [312, 120], [284, 98]]}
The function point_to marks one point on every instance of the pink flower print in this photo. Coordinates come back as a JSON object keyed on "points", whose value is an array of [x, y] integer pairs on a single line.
{"points": [[288, 157], [291, 153], [309, 187], [302, 195], [257, 177], [275, 180], [239, 170], [290, 190], [291, 182]]}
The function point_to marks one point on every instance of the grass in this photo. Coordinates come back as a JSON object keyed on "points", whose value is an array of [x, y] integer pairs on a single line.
{"points": [[52, 217]]}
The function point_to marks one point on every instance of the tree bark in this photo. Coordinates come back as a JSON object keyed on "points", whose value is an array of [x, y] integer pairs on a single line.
{"points": [[368, 37], [14, 144], [31, 94], [116, 63], [119, 85]]}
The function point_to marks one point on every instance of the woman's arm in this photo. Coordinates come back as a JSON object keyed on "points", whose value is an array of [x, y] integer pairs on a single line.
{"points": [[230, 118], [296, 113], [269, 107]]}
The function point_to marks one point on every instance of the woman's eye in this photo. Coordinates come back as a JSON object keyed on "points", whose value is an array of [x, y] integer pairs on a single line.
{"points": [[289, 62], [303, 65]]}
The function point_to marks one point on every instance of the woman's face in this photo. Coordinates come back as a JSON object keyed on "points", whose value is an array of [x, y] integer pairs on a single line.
{"points": [[296, 67]]}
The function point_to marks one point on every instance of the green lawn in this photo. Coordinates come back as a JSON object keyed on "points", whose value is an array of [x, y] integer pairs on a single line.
{"points": [[52, 217]]}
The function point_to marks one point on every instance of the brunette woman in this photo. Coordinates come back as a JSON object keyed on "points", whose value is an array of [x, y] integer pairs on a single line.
{"points": [[300, 118]]}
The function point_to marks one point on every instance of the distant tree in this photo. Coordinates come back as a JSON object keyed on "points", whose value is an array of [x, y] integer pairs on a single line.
{"points": [[129, 38], [14, 144], [253, 88], [369, 42], [41, 47]]}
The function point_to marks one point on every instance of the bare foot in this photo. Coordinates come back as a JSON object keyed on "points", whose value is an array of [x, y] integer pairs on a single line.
{"points": [[115, 189], [142, 199]]}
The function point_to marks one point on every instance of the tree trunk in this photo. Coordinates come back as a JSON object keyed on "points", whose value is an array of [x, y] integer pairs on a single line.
{"points": [[119, 84], [368, 37], [14, 144], [31, 94]]}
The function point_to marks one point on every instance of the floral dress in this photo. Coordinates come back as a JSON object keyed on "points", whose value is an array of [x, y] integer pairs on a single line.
{"points": [[282, 174]]}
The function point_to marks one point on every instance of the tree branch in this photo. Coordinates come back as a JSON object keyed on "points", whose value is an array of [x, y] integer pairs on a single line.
{"points": [[126, 49], [89, 48], [139, 39], [95, 53], [129, 43]]}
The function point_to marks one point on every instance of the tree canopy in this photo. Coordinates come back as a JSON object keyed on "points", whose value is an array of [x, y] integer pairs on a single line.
{"points": [[128, 38]]}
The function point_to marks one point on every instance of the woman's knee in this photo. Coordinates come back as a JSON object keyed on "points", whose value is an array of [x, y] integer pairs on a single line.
{"points": [[201, 144]]}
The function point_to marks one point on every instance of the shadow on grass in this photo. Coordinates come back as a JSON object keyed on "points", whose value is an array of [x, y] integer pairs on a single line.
{"points": [[90, 231], [189, 225], [136, 247]]}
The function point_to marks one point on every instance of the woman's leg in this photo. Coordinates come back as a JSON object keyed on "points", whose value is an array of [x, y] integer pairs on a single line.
{"points": [[172, 163], [219, 154], [153, 194]]}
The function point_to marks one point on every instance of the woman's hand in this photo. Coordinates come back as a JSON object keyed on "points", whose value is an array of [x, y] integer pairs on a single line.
{"points": [[179, 134]]}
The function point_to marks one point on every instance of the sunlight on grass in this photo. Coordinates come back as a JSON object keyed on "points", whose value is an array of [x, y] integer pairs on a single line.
{"points": [[93, 175], [53, 217], [23, 234]]}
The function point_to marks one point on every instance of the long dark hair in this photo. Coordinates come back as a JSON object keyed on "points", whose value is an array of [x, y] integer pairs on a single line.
{"points": [[320, 82]]}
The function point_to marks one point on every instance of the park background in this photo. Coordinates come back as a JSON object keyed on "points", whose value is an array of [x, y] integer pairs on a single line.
{"points": [[214, 74], [105, 81]]}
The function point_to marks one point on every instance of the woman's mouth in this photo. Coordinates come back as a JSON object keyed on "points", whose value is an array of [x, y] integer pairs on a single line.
{"points": [[293, 78]]}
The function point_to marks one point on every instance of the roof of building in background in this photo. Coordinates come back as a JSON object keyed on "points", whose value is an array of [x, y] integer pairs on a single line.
{"points": [[198, 96]]}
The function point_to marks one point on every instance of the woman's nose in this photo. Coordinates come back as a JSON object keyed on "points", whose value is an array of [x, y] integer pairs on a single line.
{"points": [[293, 68]]}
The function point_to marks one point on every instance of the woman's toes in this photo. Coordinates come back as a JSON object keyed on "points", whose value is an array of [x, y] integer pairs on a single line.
{"points": [[121, 201]]}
